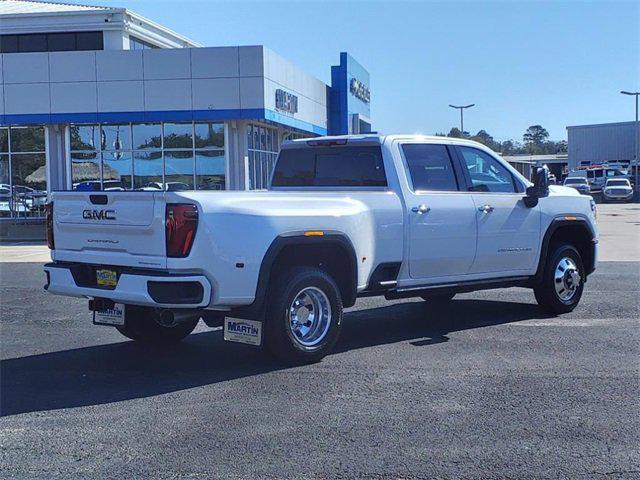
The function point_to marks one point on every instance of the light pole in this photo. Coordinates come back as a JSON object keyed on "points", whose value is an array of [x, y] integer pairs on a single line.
{"points": [[637, 149], [461, 108]]}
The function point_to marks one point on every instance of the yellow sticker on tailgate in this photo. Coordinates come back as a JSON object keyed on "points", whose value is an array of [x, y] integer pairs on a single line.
{"points": [[106, 278]]}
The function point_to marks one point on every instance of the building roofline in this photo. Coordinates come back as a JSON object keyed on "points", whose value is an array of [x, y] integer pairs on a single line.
{"points": [[167, 30], [80, 9], [89, 10], [63, 13], [601, 125]]}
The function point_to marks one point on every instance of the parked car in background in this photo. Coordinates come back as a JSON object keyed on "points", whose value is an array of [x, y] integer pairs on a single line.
{"points": [[96, 186], [579, 183], [5, 200], [597, 175], [33, 199], [617, 189], [168, 187]]}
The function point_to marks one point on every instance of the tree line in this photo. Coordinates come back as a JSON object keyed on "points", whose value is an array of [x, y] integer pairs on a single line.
{"points": [[535, 141]]}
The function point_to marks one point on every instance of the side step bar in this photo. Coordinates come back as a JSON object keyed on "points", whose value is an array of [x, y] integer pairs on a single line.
{"points": [[458, 287]]}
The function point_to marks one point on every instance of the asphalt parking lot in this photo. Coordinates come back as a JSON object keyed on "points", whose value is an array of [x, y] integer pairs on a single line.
{"points": [[489, 387]]}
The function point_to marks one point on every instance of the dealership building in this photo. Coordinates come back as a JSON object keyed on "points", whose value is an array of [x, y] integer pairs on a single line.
{"points": [[96, 97]]}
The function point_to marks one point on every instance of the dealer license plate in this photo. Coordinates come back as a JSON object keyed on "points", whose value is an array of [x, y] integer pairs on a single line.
{"points": [[243, 331], [110, 316], [106, 278]]}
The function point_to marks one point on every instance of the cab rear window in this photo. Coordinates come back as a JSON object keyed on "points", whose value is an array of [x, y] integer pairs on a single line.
{"points": [[348, 166]]}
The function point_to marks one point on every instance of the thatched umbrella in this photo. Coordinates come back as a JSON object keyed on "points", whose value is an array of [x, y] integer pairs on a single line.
{"points": [[38, 176], [82, 171]]}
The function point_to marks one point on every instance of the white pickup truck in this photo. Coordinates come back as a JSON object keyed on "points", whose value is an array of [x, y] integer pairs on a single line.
{"points": [[396, 216]]}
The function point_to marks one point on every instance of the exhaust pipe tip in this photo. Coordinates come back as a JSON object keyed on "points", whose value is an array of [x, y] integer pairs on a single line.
{"points": [[171, 318], [167, 318]]}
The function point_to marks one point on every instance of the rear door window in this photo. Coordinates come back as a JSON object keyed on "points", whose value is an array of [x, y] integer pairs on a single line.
{"points": [[430, 167], [349, 166]]}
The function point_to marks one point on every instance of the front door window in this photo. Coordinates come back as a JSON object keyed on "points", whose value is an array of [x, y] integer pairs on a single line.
{"points": [[487, 174]]}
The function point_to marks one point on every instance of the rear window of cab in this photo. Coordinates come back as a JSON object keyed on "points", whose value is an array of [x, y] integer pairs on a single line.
{"points": [[345, 166]]}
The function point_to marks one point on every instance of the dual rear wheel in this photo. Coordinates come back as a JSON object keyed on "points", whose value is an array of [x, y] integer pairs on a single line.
{"points": [[304, 316]]}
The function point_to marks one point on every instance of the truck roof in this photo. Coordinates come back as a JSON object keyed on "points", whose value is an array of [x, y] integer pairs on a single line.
{"points": [[374, 139]]}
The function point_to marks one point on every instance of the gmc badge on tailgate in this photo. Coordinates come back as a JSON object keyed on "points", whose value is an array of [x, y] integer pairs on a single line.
{"points": [[99, 214]]}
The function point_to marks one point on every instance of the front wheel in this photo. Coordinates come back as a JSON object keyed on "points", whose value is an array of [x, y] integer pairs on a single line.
{"points": [[563, 280], [304, 316], [141, 325]]}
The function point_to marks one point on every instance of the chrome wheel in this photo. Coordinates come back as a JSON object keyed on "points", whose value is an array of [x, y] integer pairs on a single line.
{"points": [[310, 316], [566, 279]]}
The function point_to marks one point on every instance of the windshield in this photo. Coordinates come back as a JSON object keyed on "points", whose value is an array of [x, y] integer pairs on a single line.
{"points": [[617, 183], [570, 181]]}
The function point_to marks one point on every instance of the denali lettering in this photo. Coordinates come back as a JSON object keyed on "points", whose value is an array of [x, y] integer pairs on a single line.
{"points": [[514, 249], [99, 214]]}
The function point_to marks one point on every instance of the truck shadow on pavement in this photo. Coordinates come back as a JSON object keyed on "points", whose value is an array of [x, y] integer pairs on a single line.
{"points": [[122, 371]]}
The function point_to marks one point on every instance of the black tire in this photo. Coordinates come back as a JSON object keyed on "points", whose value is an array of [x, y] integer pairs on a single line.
{"points": [[142, 327], [546, 295], [439, 298], [279, 337]]}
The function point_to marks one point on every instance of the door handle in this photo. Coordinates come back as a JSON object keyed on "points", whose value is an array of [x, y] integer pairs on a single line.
{"points": [[485, 209], [420, 209]]}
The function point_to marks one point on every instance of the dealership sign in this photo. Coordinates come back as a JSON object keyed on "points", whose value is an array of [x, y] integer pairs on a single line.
{"points": [[360, 90], [286, 102]]}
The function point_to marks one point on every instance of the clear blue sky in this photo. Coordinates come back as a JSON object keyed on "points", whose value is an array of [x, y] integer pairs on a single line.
{"points": [[521, 63]]}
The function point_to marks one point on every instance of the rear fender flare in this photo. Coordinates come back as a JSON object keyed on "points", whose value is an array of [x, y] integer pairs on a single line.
{"points": [[299, 238]]}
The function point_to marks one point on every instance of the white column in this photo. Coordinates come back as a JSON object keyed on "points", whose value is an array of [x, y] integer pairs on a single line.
{"points": [[56, 158], [241, 177]]}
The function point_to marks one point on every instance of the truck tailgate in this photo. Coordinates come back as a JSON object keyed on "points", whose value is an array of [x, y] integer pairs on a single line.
{"points": [[110, 228]]}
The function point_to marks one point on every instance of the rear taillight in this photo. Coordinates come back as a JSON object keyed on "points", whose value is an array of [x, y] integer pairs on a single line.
{"points": [[48, 208], [181, 224]]}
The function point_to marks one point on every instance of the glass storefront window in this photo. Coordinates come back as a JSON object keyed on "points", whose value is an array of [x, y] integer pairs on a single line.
{"points": [[263, 141], [23, 174], [178, 170], [262, 154], [29, 183], [147, 135], [4, 140], [85, 137], [5, 187], [28, 170], [116, 137], [85, 170], [209, 135], [249, 136], [146, 156], [210, 170], [147, 170], [178, 135], [116, 171], [4, 169], [27, 139]]}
